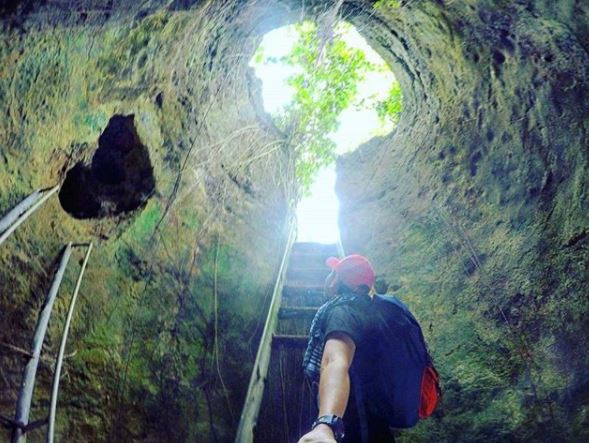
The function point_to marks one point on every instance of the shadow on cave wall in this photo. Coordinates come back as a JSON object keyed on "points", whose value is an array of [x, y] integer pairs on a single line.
{"points": [[118, 180]]}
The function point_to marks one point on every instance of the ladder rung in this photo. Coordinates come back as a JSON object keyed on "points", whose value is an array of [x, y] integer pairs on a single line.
{"points": [[296, 312], [305, 286], [36, 424], [310, 276], [16, 349], [290, 341], [310, 269], [301, 289], [9, 423], [298, 260], [316, 248], [304, 298]]}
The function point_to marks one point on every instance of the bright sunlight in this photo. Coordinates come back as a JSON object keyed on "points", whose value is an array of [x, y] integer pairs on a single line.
{"points": [[371, 108]]}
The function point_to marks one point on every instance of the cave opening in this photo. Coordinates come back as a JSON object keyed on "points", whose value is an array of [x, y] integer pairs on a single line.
{"points": [[371, 106], [119, 178]]}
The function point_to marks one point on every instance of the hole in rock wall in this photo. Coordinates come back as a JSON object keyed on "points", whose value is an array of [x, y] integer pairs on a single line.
{"points": [[119, 178], [344, 94]]}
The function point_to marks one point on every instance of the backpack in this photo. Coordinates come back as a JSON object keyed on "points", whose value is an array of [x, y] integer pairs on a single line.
{"points": [[412, 390]]}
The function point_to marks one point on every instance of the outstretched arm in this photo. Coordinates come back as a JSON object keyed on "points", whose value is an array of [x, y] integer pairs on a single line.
{"points": [[334, 384]]}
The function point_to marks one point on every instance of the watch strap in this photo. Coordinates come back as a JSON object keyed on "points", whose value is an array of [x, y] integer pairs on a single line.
{"points": [[334, 422]]}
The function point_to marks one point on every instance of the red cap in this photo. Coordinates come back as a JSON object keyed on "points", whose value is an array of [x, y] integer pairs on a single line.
{"points": [[353, 270]]}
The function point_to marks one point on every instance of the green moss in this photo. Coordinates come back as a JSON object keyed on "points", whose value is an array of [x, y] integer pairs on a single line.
{"points": [[143, 329], [144, 225]]}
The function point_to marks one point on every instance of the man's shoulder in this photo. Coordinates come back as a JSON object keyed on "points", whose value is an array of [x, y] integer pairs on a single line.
{"points": [[347, 316], [343, 308]]}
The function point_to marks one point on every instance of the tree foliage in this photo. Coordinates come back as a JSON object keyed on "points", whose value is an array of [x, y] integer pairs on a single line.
{"points": [[326, 84], [327, 74], [392, 4], [391, 107]]}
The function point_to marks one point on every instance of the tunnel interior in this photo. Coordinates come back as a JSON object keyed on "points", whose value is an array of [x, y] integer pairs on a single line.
{"points": [[473, 210]]}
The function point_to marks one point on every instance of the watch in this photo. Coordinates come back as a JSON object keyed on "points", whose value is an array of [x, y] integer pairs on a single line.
{"points": [[334, 422]]}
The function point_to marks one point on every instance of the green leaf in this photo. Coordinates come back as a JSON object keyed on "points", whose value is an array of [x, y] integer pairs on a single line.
{"points": [[391, 107]]}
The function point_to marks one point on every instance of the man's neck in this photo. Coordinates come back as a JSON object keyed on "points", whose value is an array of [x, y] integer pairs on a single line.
{"points": [[350, 292]]}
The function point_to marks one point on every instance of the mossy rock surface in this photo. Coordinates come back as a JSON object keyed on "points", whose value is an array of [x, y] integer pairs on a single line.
{"points": [[474, 210]]}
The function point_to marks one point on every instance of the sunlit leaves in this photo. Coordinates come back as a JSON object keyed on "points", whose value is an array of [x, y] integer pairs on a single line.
{"points": [[391, 4], [259, 55], [326, 83], [329, 72], [390, 108]]}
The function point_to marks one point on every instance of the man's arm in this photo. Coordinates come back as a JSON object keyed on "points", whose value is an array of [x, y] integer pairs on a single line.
{"points": [[334, 384]]}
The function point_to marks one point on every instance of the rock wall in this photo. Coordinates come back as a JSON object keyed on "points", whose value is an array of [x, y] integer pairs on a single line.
{"points": [[151, 120], [475, 208]]}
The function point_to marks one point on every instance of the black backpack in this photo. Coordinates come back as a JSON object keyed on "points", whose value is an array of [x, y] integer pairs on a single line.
{"points": [[409, 388]]}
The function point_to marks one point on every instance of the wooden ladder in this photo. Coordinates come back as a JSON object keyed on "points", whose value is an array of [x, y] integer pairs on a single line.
{"points": [[280, 405]]}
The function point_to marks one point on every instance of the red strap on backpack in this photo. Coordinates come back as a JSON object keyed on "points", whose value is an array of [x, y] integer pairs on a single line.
{"points": [[430, 392]]}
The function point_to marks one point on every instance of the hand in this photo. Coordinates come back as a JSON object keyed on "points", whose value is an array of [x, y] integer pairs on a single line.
{"points": [[321, 434]]}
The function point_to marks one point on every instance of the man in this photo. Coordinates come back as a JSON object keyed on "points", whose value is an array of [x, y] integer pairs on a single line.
{"points": [[358, 350]]}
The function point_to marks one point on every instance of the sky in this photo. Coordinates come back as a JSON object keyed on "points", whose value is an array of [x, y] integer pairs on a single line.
{"points": [[317, 214]]}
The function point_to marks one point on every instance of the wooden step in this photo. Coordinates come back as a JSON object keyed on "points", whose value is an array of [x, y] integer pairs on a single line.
{"points": [[290, 341], [302, 289], [315, 248], [306, 276], [300, 295], [299, 259], [297, 312]]}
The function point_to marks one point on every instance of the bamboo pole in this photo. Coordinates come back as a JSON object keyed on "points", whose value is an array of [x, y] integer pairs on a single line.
{"points": [[25, 396], [16, 212], [253, 399], [23, 210], [58, 363]]}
